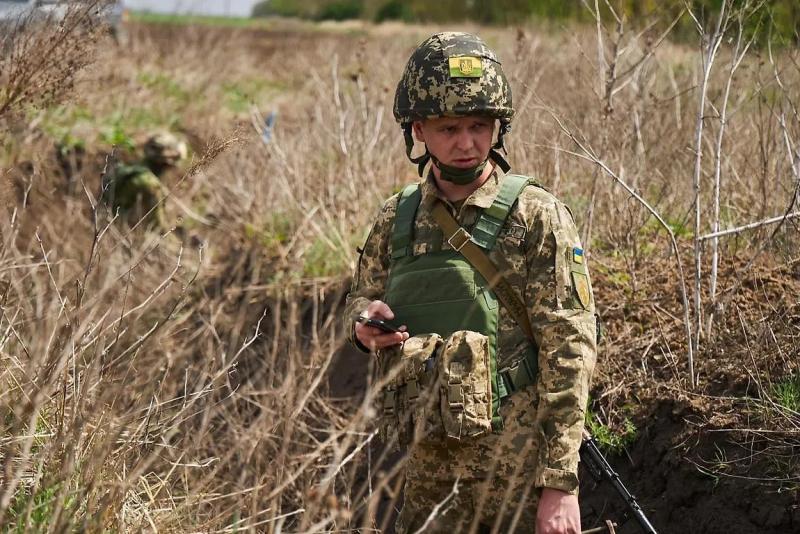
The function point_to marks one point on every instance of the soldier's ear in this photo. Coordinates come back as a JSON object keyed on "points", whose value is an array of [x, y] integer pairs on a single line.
{"points": [[419, 135]]}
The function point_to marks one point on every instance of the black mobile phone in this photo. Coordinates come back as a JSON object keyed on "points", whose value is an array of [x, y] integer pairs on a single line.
{"points": [[377, 323]]}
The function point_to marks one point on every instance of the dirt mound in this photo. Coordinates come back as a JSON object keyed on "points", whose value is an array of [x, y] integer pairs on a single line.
{"points": [[724, 456], [665, 470]]}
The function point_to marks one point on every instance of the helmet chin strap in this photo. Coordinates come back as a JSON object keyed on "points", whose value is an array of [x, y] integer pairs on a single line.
{"points": [[495, 156], [494, 153], [422, 160]]}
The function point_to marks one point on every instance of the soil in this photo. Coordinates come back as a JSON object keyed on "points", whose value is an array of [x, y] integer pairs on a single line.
{"points": [[663, 470]]}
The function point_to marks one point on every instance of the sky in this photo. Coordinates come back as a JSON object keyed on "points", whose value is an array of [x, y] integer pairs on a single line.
{"points": [[206, 7]]}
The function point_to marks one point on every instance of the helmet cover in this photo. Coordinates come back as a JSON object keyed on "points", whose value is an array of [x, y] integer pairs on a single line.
{"points": [[164, 148]]}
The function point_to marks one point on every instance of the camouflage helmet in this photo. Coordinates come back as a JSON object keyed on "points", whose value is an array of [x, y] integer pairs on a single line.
{"points": [[164, 148], [453, 74]]}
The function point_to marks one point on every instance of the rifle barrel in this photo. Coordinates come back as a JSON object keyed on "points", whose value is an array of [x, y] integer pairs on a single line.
{"points": [[591, 452]]}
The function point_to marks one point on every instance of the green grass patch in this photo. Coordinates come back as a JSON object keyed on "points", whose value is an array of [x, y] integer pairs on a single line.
{"points": [[240, 95], [120, 128], [117, 136], [611, 440], [190, 20], [787, 393], [323, 261], [680, 228], [63, 123], [76, 127], [42, 505], [164, 86], [273, 234]]}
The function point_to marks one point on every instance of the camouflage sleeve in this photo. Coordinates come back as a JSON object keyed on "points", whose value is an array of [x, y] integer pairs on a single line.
{"points": [[369, 280], [561, 309]]}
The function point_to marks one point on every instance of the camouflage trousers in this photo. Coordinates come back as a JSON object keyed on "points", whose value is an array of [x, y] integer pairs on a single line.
{"points": [[483, 486]]}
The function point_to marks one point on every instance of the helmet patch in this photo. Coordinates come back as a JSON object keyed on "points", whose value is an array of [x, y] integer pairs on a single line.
{"points": [[465, 67]]}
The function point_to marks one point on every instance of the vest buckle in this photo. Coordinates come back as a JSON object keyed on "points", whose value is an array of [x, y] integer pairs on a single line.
{"points": [[459, 234], [389, 402], [412, 390], [455, 397]]}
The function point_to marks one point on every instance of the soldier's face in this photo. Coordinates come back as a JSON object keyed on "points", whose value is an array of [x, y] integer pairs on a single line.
{"points": [[457, 141]]}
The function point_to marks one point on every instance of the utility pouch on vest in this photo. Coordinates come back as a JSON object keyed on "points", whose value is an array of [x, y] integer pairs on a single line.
{"points": [[406, 411], [465, 385]]}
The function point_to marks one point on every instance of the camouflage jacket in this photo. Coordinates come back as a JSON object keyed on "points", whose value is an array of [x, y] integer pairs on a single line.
{"points": [[535, 251], [135, 192]]}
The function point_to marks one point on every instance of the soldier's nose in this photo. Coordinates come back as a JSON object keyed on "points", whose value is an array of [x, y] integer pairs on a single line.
{"points": [[464, 141]]}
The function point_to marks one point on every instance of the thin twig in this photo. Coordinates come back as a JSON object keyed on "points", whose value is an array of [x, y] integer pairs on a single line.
{"points": [[751, 226]]}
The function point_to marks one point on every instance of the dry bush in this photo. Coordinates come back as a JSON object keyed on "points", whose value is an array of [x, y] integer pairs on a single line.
{"points": [[42, 55]]}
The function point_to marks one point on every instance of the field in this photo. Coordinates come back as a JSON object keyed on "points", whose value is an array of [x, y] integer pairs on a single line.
{"points": [[195, 378]]}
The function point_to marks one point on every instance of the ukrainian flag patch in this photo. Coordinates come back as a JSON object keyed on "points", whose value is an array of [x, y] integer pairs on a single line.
{"points": [[577, 255]]}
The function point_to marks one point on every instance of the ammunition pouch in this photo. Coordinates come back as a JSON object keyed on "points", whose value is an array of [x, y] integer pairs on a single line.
{"points": [[436, 389], [404, 401], [465, 375]]}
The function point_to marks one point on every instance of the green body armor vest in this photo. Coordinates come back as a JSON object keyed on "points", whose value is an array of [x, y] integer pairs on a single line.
{"points": [[440, 292]]}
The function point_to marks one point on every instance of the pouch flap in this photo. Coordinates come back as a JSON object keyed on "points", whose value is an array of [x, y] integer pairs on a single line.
{"points": [[416, 351]]}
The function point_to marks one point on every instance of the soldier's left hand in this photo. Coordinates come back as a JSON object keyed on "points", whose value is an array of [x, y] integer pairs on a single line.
{"points": [[558, 513]]}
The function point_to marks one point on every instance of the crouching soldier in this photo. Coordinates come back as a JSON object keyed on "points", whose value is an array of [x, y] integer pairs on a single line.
{"points": [[135, 192]]}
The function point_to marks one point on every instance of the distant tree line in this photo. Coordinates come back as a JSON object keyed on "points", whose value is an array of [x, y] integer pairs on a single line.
{"points": [[782, 17]]}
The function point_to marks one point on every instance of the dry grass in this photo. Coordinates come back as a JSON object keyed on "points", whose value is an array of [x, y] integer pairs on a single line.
{"points": [[179, 381]]}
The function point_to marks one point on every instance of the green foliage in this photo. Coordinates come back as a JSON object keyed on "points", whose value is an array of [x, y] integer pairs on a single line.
{"points": [[775, 20], [191, 20], [62, 122], [73, 126], [321, 260], [42, 505], [394, 10], [341, 10], [240, 94], [619, 278], [274, 233], [678, 227], [69, 143], [787, 393], [164, 85], [117, 136], [611, 440], [284, 8], [237, 98]]}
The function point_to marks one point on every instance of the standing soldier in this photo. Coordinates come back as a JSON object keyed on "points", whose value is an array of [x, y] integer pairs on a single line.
{"points": [[135, 191], [484, 275]]}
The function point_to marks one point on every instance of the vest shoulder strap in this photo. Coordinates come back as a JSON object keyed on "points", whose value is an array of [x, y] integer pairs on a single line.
{"points": [[403, 231], [491, 221]]}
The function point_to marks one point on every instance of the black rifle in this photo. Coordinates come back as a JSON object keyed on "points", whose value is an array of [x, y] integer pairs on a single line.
{"points": [[600, 469]]}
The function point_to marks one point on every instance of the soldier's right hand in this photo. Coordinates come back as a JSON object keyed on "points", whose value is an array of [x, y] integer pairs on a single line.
{"points": [[375, 338]]}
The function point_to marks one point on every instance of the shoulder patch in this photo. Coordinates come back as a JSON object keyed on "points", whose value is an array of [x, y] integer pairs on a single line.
{"points": [[581, 283]]}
